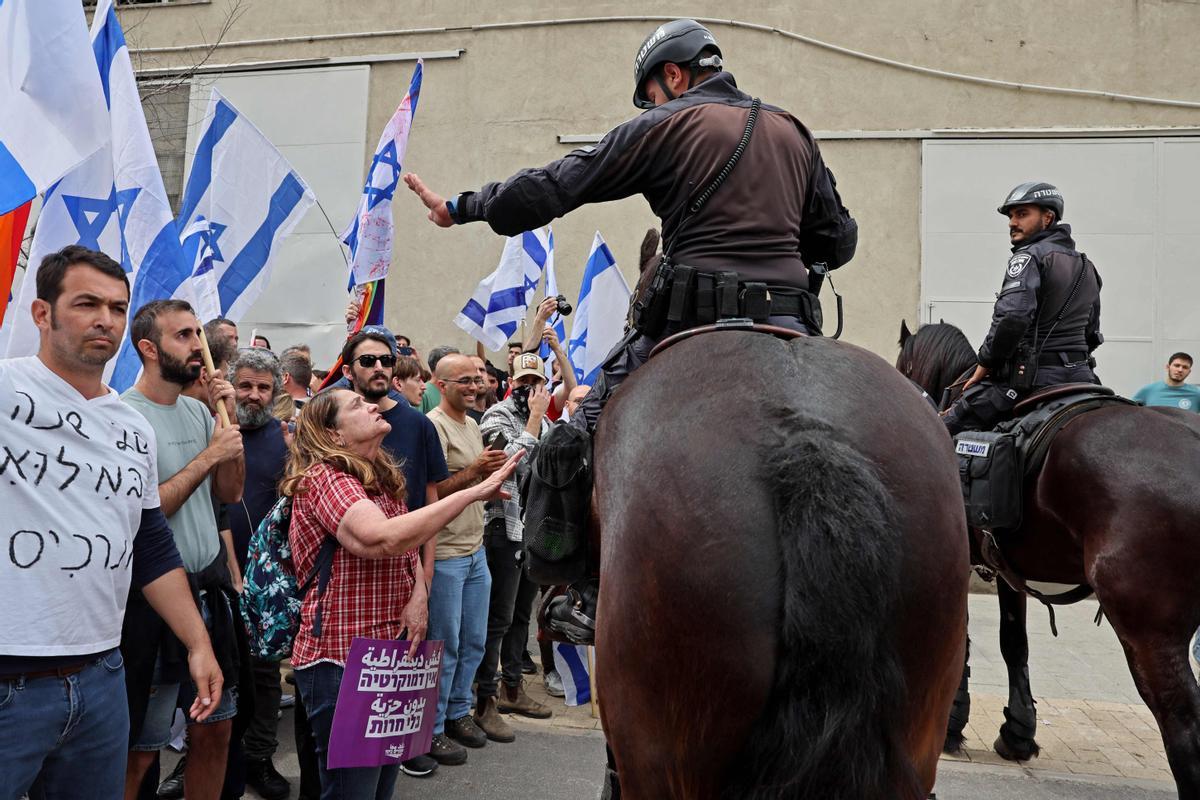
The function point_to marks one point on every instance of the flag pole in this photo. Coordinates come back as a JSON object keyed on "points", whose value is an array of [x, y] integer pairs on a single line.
{"points": [[206, 354]]}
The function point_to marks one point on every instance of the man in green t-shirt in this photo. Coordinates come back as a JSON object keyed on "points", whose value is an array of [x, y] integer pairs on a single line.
{"points": [[197, 459], [1173, 392]]}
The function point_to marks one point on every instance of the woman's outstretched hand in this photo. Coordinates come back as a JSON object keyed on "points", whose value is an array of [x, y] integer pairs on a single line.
{"points": [[490, 489]]}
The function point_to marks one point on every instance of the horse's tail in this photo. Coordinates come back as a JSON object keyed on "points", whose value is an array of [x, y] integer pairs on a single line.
{"points": [[831, 727]]}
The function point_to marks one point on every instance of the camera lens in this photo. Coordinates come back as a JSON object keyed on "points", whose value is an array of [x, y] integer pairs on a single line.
{"points": [[564, 307]]}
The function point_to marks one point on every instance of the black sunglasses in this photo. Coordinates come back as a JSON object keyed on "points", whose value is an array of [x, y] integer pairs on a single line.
{"points": [[368, 361]]}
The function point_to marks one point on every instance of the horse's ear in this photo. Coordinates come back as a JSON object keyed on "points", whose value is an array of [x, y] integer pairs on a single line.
{"points": [[941, 320], [904, 332]]}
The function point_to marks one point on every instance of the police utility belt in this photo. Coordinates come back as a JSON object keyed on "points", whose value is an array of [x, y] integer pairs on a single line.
{"points": [[682, 297]]}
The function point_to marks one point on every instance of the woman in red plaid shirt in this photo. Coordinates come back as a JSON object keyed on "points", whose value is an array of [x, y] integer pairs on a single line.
{"points": [[344, 485]]}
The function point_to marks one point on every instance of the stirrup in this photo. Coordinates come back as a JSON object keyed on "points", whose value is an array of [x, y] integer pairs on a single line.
{"points": [[573, 614]]}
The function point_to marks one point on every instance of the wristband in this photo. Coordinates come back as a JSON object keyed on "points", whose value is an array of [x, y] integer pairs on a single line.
{"points": [[452, 209]]}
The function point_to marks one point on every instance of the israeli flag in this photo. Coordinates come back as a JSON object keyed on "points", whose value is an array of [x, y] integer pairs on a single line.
{"points": [[600, 313], [556, 319], [53, 112], [571, 663], [113, 202], [502, 299], [241, 200], [369, 236]]}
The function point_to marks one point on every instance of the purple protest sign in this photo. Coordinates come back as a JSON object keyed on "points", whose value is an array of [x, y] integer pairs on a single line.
{"points": [[387, 703]]}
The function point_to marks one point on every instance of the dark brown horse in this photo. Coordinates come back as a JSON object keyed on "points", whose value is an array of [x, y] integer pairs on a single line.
{"points": [[783, 593], [1116, 507]]}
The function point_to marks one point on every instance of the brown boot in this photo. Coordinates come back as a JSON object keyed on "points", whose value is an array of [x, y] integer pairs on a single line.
{"points": [[513, 700], [488, 718]]}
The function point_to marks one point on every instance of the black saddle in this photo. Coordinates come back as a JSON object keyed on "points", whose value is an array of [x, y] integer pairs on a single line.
{"points": [[1048, 393], [736, 324]]}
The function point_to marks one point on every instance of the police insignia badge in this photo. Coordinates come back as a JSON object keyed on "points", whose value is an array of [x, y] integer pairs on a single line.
{"points": [[1016, 264]]}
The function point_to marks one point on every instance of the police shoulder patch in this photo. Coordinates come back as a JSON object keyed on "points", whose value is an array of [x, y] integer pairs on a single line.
{"points": [[1017, 264]]}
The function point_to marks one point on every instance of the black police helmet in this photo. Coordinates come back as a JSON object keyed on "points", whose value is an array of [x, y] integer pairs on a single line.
{"points": [[1035, 193], [680, 41]]}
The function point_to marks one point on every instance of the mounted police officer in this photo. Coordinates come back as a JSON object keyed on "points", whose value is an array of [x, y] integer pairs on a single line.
{"points": [[756, 246], [1046, 321], [751, 222]]}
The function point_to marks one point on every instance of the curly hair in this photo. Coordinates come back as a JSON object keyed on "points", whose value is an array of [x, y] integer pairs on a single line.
{"points": [[314, 443]]}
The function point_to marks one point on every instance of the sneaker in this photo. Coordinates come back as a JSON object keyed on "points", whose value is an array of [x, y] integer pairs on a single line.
{"points": [[172, 786], [446, 751], [464, 731], [287, 701], [527, 665], [262, 777], [419, 767], [553, 684], [513, 700], [488, 719]]}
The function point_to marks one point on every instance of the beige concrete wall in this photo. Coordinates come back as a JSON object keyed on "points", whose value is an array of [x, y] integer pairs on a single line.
{"points": [[502, 105]]}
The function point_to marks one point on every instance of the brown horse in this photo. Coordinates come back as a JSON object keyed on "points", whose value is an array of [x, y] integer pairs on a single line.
{"points": [[1116, 506], [783, 594]]}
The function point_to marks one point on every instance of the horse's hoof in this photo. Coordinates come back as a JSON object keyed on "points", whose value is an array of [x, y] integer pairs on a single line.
{"points": [[954, 743], [1028, 750]]}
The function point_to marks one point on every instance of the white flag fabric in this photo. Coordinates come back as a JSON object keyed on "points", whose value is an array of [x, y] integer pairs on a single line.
{"points": [[502, 299], [241, 200], [571, 663], [556, 319], [113, 202], [600, 313], [52, 109], [369, 236]]}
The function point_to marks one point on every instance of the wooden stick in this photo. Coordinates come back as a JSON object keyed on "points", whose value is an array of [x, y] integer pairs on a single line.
{"points": [[206, 354], [591, 655]]}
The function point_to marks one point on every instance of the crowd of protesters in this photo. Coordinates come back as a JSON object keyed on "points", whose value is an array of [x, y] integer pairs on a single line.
{"points": [[137, 511]]}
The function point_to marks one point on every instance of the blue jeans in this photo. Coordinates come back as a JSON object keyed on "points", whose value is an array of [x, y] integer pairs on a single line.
{"points": [[318, 685], [458, 615], [61, 730]]}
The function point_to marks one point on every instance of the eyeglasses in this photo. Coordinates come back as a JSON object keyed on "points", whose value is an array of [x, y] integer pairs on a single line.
{"points": [[368, 361], [465, 382]]}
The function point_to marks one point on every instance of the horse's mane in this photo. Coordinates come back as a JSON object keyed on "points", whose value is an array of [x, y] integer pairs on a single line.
{"points": [[935, 356]]}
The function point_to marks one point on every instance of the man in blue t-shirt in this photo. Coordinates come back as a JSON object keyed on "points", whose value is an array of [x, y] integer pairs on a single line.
{"points": [[367, 360], [1173, 392]]}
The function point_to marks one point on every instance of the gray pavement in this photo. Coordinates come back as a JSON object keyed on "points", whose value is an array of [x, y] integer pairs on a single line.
{"points": [[1085, 662], [1080, 679]]}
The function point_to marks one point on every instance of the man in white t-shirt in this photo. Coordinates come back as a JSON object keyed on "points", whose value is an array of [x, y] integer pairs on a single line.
{"points": [[81, 522]]}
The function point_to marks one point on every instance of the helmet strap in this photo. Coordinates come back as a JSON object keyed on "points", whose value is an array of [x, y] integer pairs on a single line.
{"points": [[658, 78]]}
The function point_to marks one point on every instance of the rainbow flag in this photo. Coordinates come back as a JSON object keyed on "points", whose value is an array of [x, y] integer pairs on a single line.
{"points": [[370, 312], [12, 231]]}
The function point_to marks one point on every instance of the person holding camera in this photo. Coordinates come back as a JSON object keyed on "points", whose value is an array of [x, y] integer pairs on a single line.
{"points": [[515, 424], [563, 382], [1046, 321]]}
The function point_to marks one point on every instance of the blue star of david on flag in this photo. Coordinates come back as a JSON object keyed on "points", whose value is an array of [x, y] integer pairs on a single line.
{"points": [[208, 252], [91, 215], [377, 194]]}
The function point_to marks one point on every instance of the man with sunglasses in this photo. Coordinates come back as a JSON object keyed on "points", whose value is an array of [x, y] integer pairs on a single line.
{"points": [[367, 361]]}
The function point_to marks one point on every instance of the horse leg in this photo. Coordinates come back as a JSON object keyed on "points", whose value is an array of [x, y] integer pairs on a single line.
{"points": [[611, 788], [960, 712], [1016, 742], [1156, 648]]}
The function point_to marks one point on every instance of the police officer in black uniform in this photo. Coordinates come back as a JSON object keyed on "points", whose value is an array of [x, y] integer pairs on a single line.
{"points": [[751, 222], [1046, 320], [757, 246]]}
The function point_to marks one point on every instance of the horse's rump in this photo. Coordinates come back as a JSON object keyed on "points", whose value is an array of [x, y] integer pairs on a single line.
{"points": [[762, 546]]}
